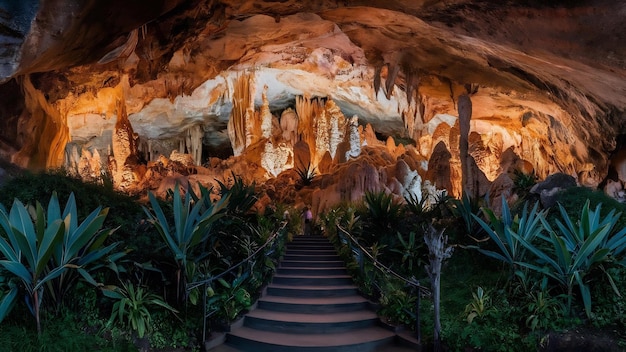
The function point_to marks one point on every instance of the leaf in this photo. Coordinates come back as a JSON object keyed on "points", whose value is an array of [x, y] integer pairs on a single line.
{"points": [[25, 235], [19, 270], [112, 292], [87, 277], [7, 302], [471, 316], [52, 237]]}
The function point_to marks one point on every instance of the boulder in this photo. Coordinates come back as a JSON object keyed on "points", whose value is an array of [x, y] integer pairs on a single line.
{"points": [[549, 188]]}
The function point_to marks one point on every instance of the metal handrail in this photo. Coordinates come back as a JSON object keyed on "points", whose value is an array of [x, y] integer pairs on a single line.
{"points": [[386, 270], [209, 281]]}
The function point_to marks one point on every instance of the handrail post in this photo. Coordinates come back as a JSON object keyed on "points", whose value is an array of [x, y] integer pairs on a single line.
{"points": [[204, 313], [361, 262], [418, 330]]}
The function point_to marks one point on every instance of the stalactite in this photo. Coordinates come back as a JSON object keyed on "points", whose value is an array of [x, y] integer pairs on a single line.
{"points": [[308, 110], [124, 50], [195, 135], [392, 73], [465, 114], [377, 71], [242, 113]]}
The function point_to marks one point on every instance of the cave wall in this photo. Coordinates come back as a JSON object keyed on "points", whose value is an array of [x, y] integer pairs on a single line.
{"points": [[287, 84]]}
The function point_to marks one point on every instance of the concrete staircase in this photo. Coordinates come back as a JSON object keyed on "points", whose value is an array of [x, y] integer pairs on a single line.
{"points": [[311, 305]]}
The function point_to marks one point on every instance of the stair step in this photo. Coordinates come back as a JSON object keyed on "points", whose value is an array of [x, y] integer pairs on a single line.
{"points": [[312, 245], [311, 264], [311, 290], [313, 305], [329, 257], [365, 340], [304, 271], [310, 238], [310, 252], [300, 280], [300, 323]]}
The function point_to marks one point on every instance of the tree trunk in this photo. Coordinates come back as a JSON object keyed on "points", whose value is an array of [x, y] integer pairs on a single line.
{"points": [[438, 252], [437, 302], [36, 308]]}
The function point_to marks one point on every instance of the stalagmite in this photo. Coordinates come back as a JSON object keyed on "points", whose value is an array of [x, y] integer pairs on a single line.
{"points": [[322, 138], [336, 126], [124, 146], [277, 159], [289, 126], [266, 116], [354, 138]]}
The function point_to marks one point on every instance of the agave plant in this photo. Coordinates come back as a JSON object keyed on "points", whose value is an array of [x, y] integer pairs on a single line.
{"points": [[191, 227], [383, 210], [410, 250], [507, 231], [242, 196], [307, 174], [82, 249], [466, 208], [46, 251], [578, 249]]}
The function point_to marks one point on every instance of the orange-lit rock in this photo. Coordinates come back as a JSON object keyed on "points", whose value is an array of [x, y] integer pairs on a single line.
{"points": [[258, 88]]}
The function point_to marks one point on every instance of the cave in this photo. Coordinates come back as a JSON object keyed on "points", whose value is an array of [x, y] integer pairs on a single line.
{"points": [[225, 86], [413, 98]]}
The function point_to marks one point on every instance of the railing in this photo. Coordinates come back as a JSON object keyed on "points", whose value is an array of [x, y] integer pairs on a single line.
{"points": [[271, 242], [358, 252]]}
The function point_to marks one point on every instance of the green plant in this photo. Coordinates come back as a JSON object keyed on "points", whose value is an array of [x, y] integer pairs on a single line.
{"points": [[466, 208], [82, 249], [382, 209], [398, 304], [125, 212], [40, 252], [231, 298], [192, 226], [544, 310], [307, 174], [507, 231], [522, 183], [479, 306], [242, 196], [411, 251], [36, 245], [579, 249], [133, 305]]}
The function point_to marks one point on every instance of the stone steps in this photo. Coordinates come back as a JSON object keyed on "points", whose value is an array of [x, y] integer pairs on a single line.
{"points": [[311, 305]]}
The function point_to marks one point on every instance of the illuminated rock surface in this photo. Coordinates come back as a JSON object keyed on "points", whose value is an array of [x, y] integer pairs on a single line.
{"points": [[262, 88]]}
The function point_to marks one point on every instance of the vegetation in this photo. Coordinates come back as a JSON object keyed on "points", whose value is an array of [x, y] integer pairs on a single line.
{"points": [[563, 267], [66, 255], [99, 269]]}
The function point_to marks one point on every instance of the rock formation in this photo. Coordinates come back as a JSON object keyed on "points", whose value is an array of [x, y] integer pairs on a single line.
{"points": [[263, 88]]}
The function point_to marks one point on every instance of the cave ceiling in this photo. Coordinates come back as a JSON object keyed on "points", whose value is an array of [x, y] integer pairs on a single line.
{"points": [[546, 79]]}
